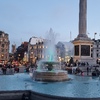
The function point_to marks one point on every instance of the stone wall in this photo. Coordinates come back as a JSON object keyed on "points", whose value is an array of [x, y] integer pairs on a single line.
{"points": [[40, 96], [13, 95], [30, 95]]}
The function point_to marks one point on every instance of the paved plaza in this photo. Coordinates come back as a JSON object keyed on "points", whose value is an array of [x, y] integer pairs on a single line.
{"points": [[22, 70], [11, 70]]}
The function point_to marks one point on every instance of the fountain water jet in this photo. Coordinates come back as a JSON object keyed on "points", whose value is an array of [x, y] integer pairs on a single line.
{"points": [[49, 69]]}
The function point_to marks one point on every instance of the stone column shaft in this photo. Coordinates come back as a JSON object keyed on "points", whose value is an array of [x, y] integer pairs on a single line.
{"points": [[82, 17]]}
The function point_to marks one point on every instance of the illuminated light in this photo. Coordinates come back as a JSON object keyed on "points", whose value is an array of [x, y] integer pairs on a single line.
{"points": [[2, 55], [59, 57], [31, 52]]}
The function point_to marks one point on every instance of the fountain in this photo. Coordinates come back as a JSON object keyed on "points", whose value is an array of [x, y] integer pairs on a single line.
{"points": [[49, 69], [12, 87]]}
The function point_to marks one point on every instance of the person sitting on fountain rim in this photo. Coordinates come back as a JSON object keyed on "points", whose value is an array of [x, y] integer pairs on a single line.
{"points": [[82, 73], [78, 70]]}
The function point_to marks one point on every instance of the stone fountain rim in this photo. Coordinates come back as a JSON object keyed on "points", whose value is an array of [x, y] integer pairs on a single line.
{"points": [[50, 62]]}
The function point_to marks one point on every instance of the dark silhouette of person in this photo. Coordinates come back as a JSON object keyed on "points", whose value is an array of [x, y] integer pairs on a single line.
{"points": [[71, 61], [26, 96], [87, 70]]}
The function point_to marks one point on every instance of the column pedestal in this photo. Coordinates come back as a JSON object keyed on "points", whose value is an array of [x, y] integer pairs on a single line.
{"points": [[82, 51]]}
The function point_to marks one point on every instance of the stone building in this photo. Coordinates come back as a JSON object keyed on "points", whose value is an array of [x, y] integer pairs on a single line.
{"points": [[13, 48], [35, 49], [95, 50], [60, 51], [65, 50], [4, 47]]}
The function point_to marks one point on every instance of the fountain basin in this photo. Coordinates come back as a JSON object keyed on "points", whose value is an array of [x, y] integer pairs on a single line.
{"points": [[50, 76], [78, 88]]}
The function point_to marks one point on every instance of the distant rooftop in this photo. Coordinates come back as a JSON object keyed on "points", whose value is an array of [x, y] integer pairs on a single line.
{"points": [[34, 40], [2, 32]]}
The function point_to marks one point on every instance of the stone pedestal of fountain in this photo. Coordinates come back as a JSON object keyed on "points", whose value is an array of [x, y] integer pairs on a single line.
{"points": [[50, 74]]}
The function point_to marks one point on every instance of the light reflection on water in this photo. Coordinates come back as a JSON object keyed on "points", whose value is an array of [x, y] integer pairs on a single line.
{"points": [[78, 86]]}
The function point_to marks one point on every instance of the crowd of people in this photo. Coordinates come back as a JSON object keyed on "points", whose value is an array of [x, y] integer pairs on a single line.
{"points": [[4, 68], [15, 68], [76, 67], [81, 68]]}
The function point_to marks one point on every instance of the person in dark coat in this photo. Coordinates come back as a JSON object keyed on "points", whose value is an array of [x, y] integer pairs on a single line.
{"points": [[87, 70]]}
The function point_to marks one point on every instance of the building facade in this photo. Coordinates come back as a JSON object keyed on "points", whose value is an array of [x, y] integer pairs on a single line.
{"points": [[39, 48], [13, 48], [65, 50], [35, 49], [60, 51], [95, 50], [4, 47]]}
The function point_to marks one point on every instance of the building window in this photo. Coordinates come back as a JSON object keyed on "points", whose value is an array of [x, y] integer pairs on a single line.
{"points": [[2, 50], [91, 55], [2, 56], [2, 45], [97, 55], [97, 46], [34, 47], [97, 50]]}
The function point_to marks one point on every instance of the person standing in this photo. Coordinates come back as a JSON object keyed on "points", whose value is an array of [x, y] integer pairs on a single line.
{"points": [[87, 70]]}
